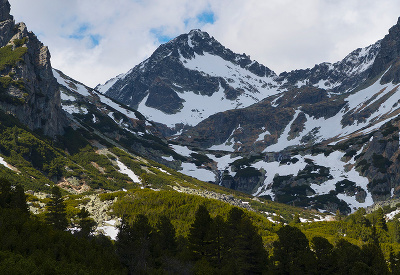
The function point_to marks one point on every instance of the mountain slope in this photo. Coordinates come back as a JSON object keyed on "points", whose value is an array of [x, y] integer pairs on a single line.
{"points": [[193, 77], [262, 119], [189, 79], [28, 89]]}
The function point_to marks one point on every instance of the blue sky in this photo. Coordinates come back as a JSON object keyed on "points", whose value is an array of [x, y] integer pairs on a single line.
{"points": [[84, 33], [95, 40]]}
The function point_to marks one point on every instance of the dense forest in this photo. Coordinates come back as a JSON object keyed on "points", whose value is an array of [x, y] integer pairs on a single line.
{"points": [[188, 234]]}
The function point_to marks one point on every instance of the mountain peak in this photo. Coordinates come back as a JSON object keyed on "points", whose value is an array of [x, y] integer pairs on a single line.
{"points": [[5, 10], [197, 31], [388, 56]]}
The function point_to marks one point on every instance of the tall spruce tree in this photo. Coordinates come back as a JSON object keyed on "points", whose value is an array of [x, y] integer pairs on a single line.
{"points": [[292, 254], [56, 214], [325, 260], [243, 252], [380, 220], [85, 223], [199, 233], [12, 196]]}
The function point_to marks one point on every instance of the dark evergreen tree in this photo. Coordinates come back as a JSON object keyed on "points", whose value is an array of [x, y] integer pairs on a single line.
{"points": [[18, 199], [12, 196], [373, 257], [243, 251], [218, 244], [199, 233], [292, 254], [142, 243], [166, 236], [134, 244], [5, 193], [85, 223], [380, 220], [348, 256], [124, 245], [56, 214], [323, 250]]}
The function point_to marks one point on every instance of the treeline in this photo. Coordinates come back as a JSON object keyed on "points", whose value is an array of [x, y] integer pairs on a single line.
{"points": [[219, 239], [233, 246], [213, 246]]}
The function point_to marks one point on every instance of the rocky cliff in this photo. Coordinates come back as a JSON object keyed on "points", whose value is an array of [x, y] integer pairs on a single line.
{"points": [[28, 88]]}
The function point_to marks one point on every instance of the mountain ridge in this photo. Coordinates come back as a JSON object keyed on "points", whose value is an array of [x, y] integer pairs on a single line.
{"points": [[313, 108]]}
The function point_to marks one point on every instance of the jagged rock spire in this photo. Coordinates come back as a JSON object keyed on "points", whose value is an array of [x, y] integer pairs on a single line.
{"points": [[5, 10], [388, 56]]}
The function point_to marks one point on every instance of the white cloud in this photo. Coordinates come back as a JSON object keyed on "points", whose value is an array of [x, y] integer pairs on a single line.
{"points": [[281, 34]]}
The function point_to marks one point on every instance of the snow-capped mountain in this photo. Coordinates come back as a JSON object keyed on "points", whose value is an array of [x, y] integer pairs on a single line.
{"points": [[320, 136], [193, 77]]}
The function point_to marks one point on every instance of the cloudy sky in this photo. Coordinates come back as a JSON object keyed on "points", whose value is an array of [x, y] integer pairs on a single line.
{"points": [[95, 40]]}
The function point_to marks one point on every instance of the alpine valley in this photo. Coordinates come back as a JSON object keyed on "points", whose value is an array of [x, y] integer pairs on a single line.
{"points": [[194, 141]]}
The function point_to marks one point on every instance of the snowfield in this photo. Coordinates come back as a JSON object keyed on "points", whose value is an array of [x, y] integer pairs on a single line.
{"points": [[337, 171]]}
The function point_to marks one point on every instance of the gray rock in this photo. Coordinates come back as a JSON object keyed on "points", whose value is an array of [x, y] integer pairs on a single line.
{"points": [[37, 104]]}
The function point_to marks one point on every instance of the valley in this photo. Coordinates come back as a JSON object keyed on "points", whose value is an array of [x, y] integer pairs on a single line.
{"points": [[199, 160]]}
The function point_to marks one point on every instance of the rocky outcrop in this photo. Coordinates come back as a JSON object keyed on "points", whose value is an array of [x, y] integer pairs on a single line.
{"points": [[5, 10], [388, 57], [6, 23], [213, 195], [29, 90]]}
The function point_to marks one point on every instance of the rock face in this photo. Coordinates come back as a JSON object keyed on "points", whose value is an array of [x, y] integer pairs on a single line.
{"points": [[388, 57], [189, 79], [29, 90], [5, 10], [193, 77]]}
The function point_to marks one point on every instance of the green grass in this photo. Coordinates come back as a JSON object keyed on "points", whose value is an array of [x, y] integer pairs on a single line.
{"points": [[10, 57]]}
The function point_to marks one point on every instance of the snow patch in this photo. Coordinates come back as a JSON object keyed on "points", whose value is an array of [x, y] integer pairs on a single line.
{"points": [[125, 170], [3, 162], [192, 170], [109, 229]]}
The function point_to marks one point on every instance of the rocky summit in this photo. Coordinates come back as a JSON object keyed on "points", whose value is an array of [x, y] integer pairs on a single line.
{"points": [[28, 88], [249, 123]]}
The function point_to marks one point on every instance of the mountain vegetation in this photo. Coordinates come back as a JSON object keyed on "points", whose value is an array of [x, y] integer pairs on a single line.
{"points": [[193, 237]]}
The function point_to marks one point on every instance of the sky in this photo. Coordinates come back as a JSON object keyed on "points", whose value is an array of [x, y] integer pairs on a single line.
{"points": [[95, 40]]}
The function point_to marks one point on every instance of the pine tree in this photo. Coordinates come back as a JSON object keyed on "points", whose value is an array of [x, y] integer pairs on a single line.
{"points": [[243, 252], [142, 243], [373, 257], [166, 236], [18, 199], [380, 220], [323, 250], [85, 223], [348, 256], [217, 239], [292, 254], [124, 244], [12, 196], [199, 243], [56, 210], [5, 193]]}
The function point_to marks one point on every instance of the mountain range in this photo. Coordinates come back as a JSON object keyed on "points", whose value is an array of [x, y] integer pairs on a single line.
{"points": [[325, 137], [271, 135]]}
